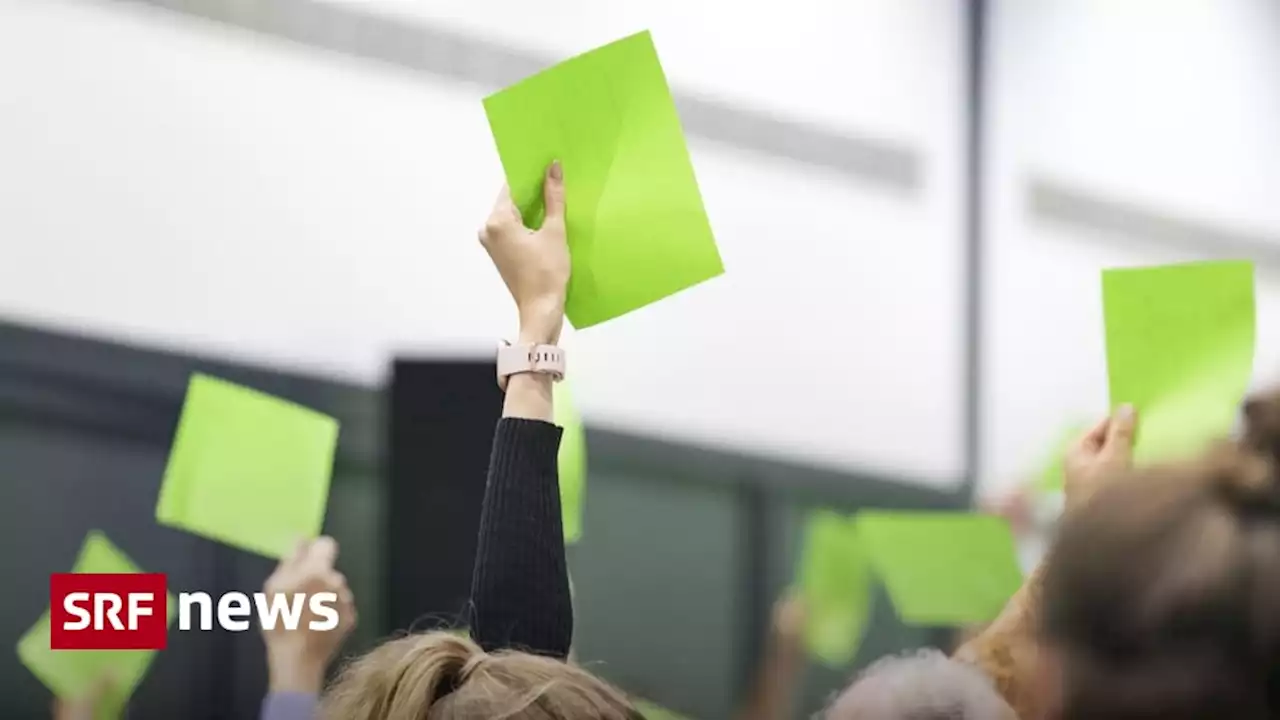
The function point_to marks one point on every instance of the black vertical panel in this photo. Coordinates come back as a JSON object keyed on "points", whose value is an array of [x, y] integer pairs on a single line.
{"points": [[974, 30], [442, 416], [756, 608]]}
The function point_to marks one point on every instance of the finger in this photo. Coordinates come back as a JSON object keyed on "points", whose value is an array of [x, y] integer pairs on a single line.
{"points": [[272, 584], [503, 212], [1098, 432], [295, 556], [101, 687], [553, 193], [1121, 430], [323, 554], [335, 580], [502, 205], [1095, 436]]}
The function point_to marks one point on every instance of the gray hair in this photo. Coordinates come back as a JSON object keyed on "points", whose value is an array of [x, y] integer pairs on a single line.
{"points": [[920, 685]]}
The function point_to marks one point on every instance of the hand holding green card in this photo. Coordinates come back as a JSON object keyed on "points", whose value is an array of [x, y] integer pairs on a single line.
{"points": [[1180, 342], [572, 462], [247, 469], [636, 226], [835, 582], [942, 568], [71, 673]]}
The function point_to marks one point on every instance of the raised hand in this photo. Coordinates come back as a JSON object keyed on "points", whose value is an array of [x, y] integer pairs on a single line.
{"points": [[534, 264], [86, 706], [1101, 452], [297, 659]]}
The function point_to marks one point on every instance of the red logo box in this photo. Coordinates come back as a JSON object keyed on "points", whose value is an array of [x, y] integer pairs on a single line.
{"points": [[108, 611]]}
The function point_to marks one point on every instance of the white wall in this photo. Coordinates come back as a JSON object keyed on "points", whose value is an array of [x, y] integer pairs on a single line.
{"points": [[181, 169], [1174, 105]]}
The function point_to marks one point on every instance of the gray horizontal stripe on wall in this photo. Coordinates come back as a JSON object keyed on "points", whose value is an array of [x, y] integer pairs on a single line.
{"points": [[421, 47], [1061, 204]]}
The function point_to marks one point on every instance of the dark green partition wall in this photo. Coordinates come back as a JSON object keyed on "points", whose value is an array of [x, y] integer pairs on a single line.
{"points": [[684, 550]]}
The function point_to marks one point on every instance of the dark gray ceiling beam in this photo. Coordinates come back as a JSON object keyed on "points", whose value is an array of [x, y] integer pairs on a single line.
{"points": [[1069, 206], [431, 50]]}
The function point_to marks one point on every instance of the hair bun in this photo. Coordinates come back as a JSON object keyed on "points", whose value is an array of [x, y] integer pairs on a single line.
{"points": [[1245, 473], [450, 660], [1262, 423]]}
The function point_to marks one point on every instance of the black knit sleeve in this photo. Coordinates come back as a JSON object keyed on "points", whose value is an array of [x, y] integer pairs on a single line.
{"points": [[520, 585]]}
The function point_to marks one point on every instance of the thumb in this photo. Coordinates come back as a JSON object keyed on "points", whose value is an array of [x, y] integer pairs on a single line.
{"points": [[323, 554], [103, 687], [1121, 430], [553, 192]]}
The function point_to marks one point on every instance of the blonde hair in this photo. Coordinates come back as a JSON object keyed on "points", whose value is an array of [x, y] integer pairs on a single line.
{"points": [[441, 676]]}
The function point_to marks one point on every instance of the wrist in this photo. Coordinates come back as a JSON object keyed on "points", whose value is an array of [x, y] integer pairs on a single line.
{"points": [[295, 671], [788, 650], [541, 321]]}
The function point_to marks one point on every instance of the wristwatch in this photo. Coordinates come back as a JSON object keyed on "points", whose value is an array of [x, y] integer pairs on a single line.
{"points": [[517, 359]]}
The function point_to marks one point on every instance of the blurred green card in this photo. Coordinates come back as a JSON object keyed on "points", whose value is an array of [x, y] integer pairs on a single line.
{"points": [[1180, 341], [71, 674], [942, 568], [247, 469], [636, 225], [572, 462], [654, 712], [835, 582]]}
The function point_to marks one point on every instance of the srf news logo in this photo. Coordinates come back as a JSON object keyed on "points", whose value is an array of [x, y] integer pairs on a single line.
{"points": [[130, 611]]}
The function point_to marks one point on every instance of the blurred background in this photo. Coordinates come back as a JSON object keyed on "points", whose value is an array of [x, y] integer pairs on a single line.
{"points": [[913, 199]]}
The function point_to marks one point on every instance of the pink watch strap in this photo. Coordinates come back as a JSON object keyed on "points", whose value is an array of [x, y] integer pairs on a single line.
{"points": [[541, 359]]}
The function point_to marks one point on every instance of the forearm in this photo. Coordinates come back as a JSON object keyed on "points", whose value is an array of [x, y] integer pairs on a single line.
{"points": [[528, 398], [1006, 649], [290, 671], [529, 394], [520, 585], [775, 687]]}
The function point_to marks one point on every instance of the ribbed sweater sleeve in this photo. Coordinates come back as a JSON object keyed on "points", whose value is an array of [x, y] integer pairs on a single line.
{"points": [[520, 585]]}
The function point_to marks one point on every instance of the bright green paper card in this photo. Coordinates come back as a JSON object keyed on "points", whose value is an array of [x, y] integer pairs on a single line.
{"points": [[1180, 341], [636, 225], [247, 469], [942, 568], [572, 462], [835, 582], [72, 673], [654, 712]]}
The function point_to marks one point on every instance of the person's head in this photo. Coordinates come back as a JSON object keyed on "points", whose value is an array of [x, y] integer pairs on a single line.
{"points": [[1161, 597], [923, 685], [441, 676]]}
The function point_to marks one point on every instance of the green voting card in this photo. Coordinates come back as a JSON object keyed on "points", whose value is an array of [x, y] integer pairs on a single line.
{"points": [[247, 469], [572, 462], [636, 225], [942, 568], [70, 674], [835, 583], [1180, 341]]}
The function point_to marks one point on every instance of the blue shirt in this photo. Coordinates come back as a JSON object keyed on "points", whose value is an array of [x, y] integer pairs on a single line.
{"points": [[289, 706]]}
